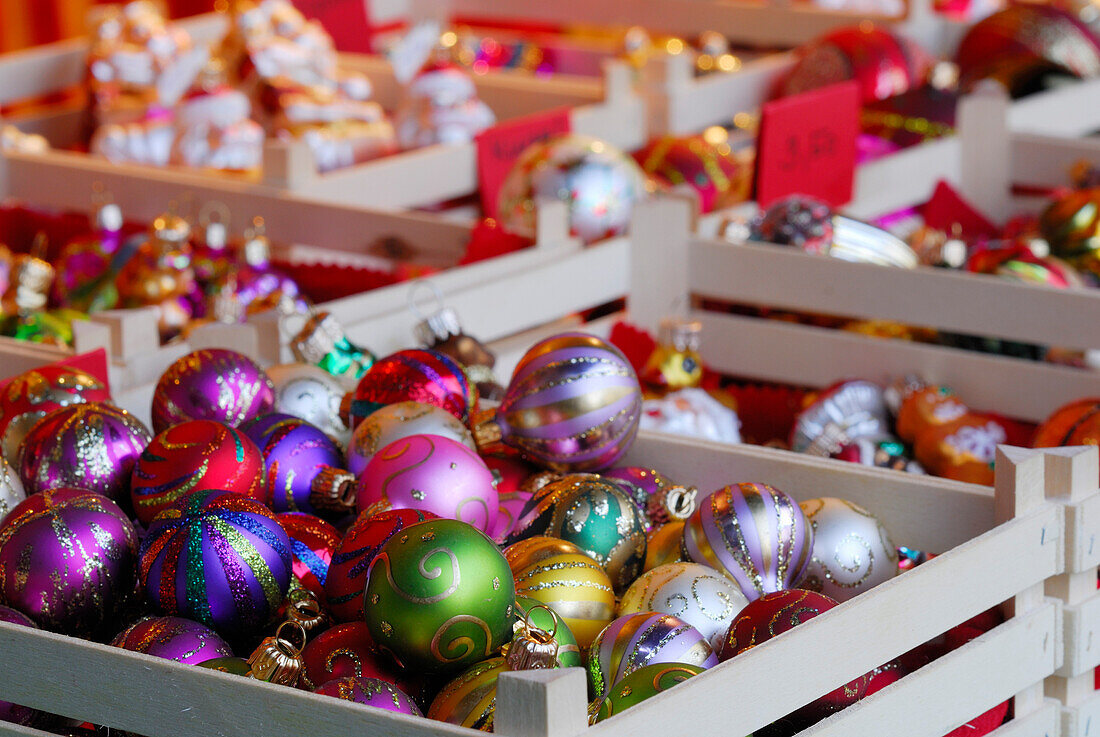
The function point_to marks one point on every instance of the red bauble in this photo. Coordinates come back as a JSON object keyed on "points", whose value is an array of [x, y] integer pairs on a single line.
{"points": [[32, 394], [347, 650], [418, 376], [347, 575], [195, 456], [509, 472], [313, 543], [774, 614]]}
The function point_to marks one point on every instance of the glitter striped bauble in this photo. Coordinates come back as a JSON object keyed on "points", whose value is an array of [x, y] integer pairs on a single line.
{"points": [[414, 375], [647, 681], [573, 403], [294, 453], [218, 558], [194, 456], [571, 583], [91, 446], [68, 560], [173, 638], [646, 638], [755, 534], [31, 395], [439, 597], [312, 543], [347, 575], [212, 384], [470, 700], [370, 692]]}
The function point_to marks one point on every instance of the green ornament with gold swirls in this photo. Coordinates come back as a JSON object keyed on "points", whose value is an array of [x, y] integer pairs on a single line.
{"points": [[635, 688], [229, 664], [440, 597], [545, 618]]}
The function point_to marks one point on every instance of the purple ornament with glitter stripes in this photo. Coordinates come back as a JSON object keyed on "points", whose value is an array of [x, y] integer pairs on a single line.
{"points": [[371, 692], [637, 640], [219, 558], [212, 384], [294, 453], [573, 403], [753, 533], [173, 638]]}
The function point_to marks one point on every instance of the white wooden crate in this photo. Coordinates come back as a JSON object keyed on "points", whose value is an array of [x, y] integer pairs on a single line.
{"points": [[1014, 544]]}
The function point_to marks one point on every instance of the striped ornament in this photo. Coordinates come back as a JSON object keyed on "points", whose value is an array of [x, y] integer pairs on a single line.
{"points": [[470, 700], [573, 403], [312, 543], [755, 534], [414, 375], [646, 638], [294, 453], [218, 558], [575, 587]]}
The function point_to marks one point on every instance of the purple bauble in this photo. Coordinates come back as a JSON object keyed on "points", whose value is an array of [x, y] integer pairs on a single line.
{"points": [[432, 473], [573, 403], [68, 560], [212, 384], [173, 638], [10, 712], [753, 533], [90, 446], [218, 558], [294, 453], [370, 692]]}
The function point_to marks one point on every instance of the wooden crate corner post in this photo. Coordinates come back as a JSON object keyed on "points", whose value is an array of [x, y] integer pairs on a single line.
{"points": [[133, 332], [542, 703], [665, 80], [288, 164], [659, 231], [551, 223]]}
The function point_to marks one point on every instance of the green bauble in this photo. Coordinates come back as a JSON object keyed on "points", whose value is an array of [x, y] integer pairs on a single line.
{"points": [[640, 685], [229, 664], [440, 597], [545, 618], [470, 700], [598, 517]]}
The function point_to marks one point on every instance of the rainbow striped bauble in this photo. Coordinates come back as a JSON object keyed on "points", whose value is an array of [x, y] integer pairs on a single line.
{"points": [[414, 375], [755, 534], [646, 638], [312, 543], [573, 403], [218, 558]]}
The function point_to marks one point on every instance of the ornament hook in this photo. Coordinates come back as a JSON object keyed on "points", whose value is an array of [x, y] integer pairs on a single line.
{"points": [[416, 286]]}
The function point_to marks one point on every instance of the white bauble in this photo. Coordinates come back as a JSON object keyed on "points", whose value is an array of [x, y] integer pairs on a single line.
{"points": [[852, 550], [311, 393], [11, 489], [400, 420]]}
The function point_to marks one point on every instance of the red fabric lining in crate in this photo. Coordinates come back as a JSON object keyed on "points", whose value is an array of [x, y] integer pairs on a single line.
{"points": [[20, 225], [326, 282]]}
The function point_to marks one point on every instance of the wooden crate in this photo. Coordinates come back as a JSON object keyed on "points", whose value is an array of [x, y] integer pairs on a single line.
{"points": [[1027, 543], [605, 108]]}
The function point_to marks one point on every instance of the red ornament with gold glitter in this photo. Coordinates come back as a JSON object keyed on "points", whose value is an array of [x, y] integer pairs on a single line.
{"points": [[425, 376], [712, 171], [348, 650]]}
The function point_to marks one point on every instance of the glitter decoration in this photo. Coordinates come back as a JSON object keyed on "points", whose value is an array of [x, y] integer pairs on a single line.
{"points": [[753, 533], [32, 394], [312, 542], [637, 640], [598, 182], [68, 560], [197, 455], [294, 453], [219, 558], [9, 712], [370, 692], [712, 171], [416, 375], [647, 681], [852, 551], [213, 384], [173, 638], [348, 650]]}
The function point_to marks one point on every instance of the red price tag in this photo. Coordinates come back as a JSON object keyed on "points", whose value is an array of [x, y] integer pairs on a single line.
{"points": [[93, 362], [349, 22], [807, 145], [947, 209], [499, 147]]}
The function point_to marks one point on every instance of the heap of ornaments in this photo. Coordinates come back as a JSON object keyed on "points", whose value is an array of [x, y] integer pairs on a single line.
{"points": [[408, 567]]}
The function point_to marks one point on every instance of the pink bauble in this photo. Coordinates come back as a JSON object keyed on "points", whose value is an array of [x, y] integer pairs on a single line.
{"points": [[432, 473]]}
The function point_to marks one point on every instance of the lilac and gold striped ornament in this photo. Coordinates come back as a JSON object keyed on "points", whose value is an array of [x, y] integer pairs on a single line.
{"points": [[218, 558], [573, 404], [646, 638], [755, 534]]}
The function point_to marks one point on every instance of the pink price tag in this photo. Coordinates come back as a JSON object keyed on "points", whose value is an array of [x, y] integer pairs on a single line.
{"points": [[499, 147], [807, 145]]}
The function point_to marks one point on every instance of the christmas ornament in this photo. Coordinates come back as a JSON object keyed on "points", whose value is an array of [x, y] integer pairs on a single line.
{"points": [[91, 446], [569, 582], [573, 404], [698, 595], [711, 171], [10, 712], [598, 182], [646, 681], [442, 332], [311, 393], [303, 608], [852, 551], [173, 638], [644, 485], [211, 384], [255, 281], [439, 596], [159, 275], [663, 545], [840, 414], [11, 489], [1076, 423], [648, 638], [675, 362], [278, 659], [531, 614], [963, 450], [429, 472], [509, 473], [347, 576], [345, 651], [313, 542], [295, 453], [441, 106], [753, 533], [84, 259], [775, 613], [1071, 225], [919, 407], [28, 397], [23, 313], [197, 455], [229, 552], [370, 692], [396, 421], [510, 507], [422, 376], [470, 699], [68, 560], [322, 342]]}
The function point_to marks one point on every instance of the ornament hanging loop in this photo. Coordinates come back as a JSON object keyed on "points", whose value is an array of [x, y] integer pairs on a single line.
{"points": [[278, 659], [533, 647], [415, 287]]}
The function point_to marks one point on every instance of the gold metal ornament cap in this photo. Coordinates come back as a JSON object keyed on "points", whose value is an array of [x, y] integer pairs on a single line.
{"points": [[681, 333], [278, 659]]}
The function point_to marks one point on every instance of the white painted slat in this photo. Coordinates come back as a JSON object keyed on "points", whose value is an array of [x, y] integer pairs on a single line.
{"points": [[904, 179], [1046, 722], [1045, 161], [1071, 110], [542, 703]]}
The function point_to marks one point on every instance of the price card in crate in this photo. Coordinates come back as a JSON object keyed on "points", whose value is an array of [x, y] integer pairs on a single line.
{"points": [[807, 145], [498, 148]]}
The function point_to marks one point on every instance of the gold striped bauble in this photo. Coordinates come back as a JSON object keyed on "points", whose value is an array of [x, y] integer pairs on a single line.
{"points": [[471, 698], [573, 585]]}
